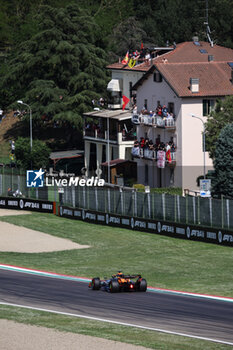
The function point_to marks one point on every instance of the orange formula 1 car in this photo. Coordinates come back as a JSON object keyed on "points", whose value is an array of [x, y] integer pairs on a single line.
{"points": [[120, 283]]}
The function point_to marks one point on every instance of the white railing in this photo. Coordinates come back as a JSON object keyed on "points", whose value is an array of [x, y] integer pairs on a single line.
{"points": [[150, 154], [156, 121]]}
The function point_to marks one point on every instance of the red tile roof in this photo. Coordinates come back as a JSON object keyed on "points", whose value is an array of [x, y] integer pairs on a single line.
{"points": [[185, 62], [214, 78]]}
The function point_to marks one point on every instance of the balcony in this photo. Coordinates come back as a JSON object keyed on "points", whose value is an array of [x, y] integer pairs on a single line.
{"points": [[146, 153], [157, 122], [99, 134]]}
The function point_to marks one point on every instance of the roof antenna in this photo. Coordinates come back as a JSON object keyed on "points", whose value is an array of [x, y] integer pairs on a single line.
{"points": [[208, 31]]}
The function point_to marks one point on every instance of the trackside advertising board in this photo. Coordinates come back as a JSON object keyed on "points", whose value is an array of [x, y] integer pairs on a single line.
{"points": [[178, 230], [26, 204]]}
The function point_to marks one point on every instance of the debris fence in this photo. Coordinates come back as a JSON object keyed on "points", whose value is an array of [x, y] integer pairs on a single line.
{"points": [[190, 210]]}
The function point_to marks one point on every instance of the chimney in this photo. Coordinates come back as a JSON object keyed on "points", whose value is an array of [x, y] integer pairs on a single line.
{"points": [[194, 84], [210, 58]]}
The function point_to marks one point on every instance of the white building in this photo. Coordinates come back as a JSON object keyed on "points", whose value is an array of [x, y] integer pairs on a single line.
{"points": [[108, 134], [187, 81]]}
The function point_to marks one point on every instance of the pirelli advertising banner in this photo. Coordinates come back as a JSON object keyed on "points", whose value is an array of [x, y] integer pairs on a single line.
{"points": [[26, 204], [178, 230]]}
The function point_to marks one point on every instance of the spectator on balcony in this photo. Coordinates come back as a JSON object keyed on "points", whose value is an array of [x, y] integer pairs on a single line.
{"points": [[170, 120], [146, 145], [168, 147], [148, 58], [151, 146], [172, 115], [136, 55], [142, 142], [159, 110], [135, 149], [164, 111], [135, 109], [88, 126]]}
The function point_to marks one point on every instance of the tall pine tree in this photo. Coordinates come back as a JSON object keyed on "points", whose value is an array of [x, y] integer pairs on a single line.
{"points": [[60, 69]]}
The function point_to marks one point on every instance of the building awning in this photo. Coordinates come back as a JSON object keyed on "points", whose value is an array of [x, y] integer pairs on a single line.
{"points": [[117, 114], [114, 85]]}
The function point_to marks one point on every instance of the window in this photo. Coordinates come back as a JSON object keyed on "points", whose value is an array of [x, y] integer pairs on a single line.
{"points": [[145, 103], [208, 106], [158, 77], [171, 107]]}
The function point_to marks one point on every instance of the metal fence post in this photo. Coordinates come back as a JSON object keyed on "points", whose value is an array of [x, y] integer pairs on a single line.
{"points": [[178, 207], [194, 210], [122, 202], [175, 209], [164, 206], [186, 210], [96, 199], [135, 204], [222, 211], [148, 201], [198, 210], [152, 205], [73, 196], [228, 213], [109, 201], [54, 193], [84, 198], [211, 212]]}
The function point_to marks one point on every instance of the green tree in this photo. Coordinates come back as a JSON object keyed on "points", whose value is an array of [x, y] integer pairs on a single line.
{"points": [[222, 179], [127, 35], [36, 158], [60, 69], [217, 120]]}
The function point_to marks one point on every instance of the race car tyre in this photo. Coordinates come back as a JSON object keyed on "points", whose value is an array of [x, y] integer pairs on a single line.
{"points": [[95, 284], [142, 285], [114, 286]]}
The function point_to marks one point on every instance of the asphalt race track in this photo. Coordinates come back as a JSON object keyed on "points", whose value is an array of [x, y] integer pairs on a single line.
{"points": [[183, 314]]}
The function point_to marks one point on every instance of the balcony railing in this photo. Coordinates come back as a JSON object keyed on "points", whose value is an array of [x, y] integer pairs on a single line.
{"points": [[157, 121], [147, 153]]}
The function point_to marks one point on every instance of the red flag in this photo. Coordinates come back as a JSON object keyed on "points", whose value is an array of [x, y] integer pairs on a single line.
{"points": [[126, 59], [141, 46], [125, 102], [168, 156]]}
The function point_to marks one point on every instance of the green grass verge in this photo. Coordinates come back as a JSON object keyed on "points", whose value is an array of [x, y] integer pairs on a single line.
{"points": [[149, 339], [165, 262]]}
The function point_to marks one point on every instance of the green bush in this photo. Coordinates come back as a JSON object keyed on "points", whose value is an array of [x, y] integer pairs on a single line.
{"points": [[36, 158]]}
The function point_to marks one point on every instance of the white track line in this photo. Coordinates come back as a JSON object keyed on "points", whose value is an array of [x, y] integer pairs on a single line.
{"points": [[118, 323]]}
